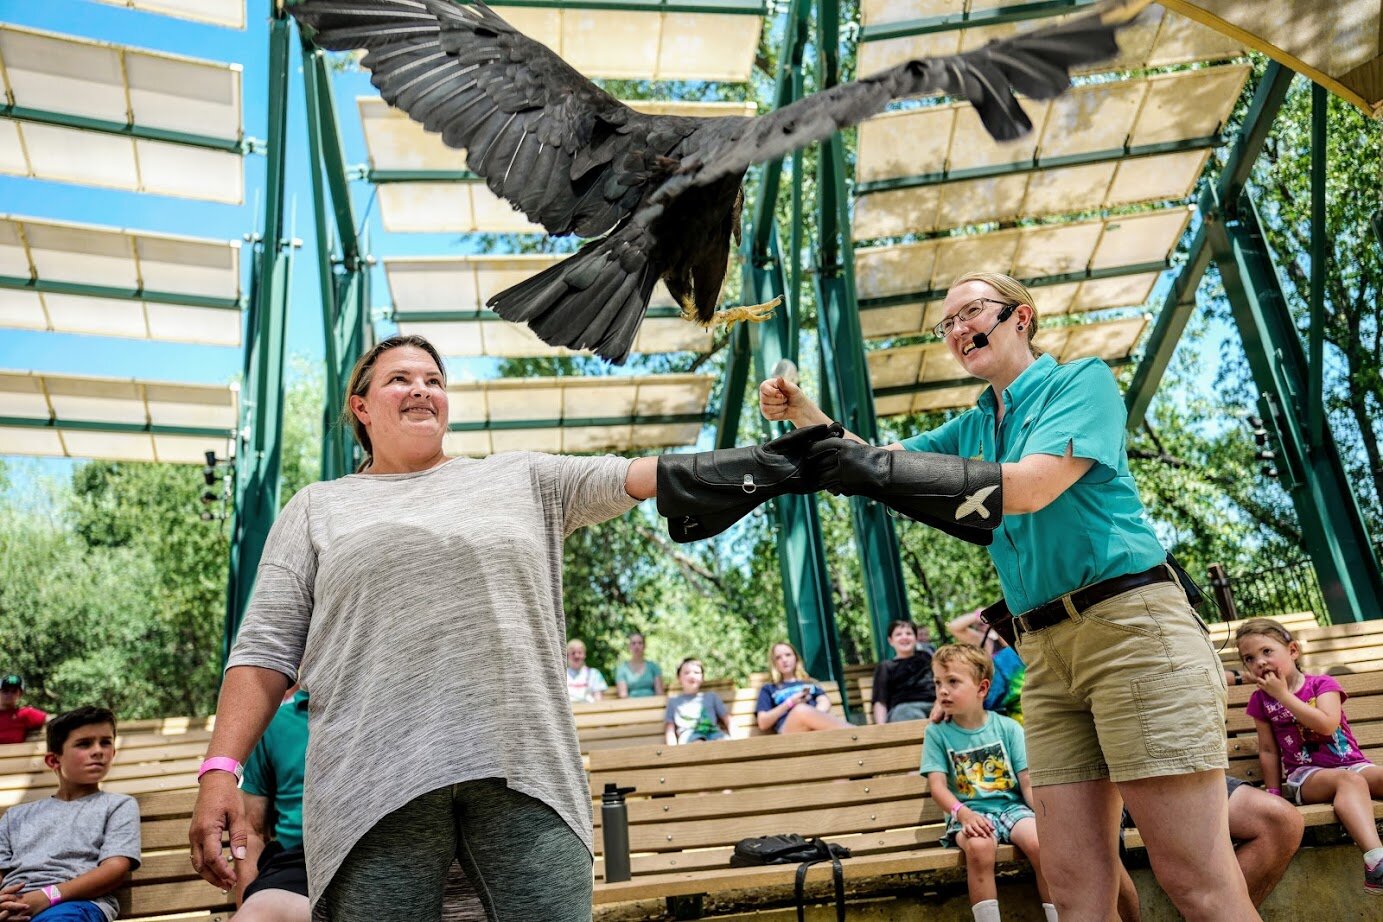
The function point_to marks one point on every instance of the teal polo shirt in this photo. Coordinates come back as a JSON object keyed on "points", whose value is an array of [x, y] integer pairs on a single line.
{"points": [[277, 766], [1096, 529]]}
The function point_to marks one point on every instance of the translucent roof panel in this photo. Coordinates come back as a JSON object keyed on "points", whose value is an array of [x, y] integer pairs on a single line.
{"points": [[228, 13], [70, 84], [80, 278], [1157, 39], [1052, 300], [926, 268], [577, 414], [971, 180], [941, 383], [642, 45], [114, 419], [420, 287], [1338, 44], [395, 142]]}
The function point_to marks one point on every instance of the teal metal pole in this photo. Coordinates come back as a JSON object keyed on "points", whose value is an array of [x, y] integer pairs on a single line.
{"points": [[1315, 392], [843, 354], [259, 447], [801, 554], [1332, 525], [736, 377]]}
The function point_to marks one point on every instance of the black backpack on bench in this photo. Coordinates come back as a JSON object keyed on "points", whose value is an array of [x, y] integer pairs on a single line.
{"points": [[793, 849]]}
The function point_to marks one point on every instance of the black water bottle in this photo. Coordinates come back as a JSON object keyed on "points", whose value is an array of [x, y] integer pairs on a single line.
{"points": [[614, 818]]}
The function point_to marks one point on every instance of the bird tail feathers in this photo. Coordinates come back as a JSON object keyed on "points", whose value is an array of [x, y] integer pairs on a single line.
{"points": [[594, 299]]}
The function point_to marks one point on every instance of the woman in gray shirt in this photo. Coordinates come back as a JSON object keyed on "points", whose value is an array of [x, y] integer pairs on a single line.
{"points": [[407, 598]]}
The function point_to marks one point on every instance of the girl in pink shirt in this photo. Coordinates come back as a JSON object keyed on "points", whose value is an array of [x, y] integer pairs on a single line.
{"points": [[1305, 745]]}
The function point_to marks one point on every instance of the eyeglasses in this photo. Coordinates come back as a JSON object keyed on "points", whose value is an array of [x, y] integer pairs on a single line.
{"points": [[967, 312]]}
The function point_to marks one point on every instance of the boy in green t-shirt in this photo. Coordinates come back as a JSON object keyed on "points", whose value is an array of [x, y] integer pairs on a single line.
{"points": [[976, 766]]}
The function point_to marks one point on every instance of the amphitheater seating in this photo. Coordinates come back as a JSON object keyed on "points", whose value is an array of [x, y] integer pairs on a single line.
{"points": [[857, 786]]}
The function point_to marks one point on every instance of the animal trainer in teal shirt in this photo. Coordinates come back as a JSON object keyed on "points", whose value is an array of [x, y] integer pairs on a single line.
{"points": [[1124, 697]]}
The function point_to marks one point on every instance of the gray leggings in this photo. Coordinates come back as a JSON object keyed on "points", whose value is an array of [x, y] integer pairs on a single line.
{"points": [[525, 862]]}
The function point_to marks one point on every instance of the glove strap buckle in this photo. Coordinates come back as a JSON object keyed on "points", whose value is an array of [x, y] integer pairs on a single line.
{"points": [[749, 486]]}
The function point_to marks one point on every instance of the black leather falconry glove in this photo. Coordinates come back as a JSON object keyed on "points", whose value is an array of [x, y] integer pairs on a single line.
{"points": [[963, 498], [705, 493]]}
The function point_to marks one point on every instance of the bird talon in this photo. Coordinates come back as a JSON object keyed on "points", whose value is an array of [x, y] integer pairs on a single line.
{"points": [[747, 313]]}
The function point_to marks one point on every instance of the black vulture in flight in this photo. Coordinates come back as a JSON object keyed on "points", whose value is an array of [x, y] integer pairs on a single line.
{"points": [[661, 192]]}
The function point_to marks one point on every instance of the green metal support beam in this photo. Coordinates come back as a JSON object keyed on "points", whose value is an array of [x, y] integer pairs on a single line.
{"points": [[577, 422], [729, 7], [811, 619], [1038, 164], [81, 289], [1333, 528], [343, 271], [844, 369], [386, 177], [1181, 299], [259, 446], [761, 229], [87, 425], [1315, 388], [125, 129], [972, 19], [1083, 275]]}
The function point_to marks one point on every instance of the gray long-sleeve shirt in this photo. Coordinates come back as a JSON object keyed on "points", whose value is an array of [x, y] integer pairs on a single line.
{"points": [[423, 613]]}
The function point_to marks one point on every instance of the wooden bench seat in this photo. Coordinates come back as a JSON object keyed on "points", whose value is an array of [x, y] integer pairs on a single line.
{"points": [[858, 787]]}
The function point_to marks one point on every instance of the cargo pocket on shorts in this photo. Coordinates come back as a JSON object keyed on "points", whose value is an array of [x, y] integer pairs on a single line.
{"points": [[1181, 713]]}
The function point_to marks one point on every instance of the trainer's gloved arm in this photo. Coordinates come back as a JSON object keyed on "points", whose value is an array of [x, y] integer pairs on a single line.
{"points": [[959, 496], [703, 494]]}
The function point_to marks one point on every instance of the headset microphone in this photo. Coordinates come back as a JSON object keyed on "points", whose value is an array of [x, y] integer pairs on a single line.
{"points": [[982, 339]]}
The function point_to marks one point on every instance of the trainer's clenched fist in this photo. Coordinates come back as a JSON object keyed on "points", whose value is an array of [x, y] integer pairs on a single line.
{"points": [[780, 399]]}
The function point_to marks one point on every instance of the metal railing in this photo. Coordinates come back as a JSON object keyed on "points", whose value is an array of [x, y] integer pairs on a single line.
{"points": [[1281, 590]]}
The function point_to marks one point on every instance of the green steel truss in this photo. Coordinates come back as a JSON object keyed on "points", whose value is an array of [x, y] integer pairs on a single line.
{"points": [[1290, 387], [343, 270], [258, 443]]}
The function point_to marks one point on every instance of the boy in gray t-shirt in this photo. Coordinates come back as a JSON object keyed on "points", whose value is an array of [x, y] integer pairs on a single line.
{"points": [[694, 716], [66, 855]]}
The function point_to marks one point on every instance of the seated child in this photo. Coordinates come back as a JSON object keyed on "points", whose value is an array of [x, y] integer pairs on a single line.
{"points": [[16, 722], [976, 765], [1305, 746], [903, 687], [695, 716], [63, 857], [777, 709], [584, 683]]}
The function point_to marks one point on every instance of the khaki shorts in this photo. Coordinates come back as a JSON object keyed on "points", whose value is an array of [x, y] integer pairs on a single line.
{"points": [[1129, 688]]}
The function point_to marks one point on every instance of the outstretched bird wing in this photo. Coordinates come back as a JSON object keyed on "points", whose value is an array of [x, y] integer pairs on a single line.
{"points": [[570, 156], [1036, 64]]}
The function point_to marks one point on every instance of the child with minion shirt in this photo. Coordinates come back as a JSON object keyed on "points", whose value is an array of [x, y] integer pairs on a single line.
{"points": [[976, 766]]}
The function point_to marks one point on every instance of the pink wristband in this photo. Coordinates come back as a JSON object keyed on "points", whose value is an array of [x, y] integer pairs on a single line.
{"points": [[955, 810], [223, 764], [53, 895], [1276, 792]]}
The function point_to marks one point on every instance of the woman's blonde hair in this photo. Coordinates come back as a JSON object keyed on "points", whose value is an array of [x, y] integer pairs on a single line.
{"points": [[359, 385], [1012, 290], [799, 671], [576, 644], [1265, 627]]}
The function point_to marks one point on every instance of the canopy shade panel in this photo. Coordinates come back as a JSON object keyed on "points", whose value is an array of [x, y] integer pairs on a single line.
{"points": [[97, 114], [106, 281], [439, 195], [113, 419], [228, 13], [926, 377], [1337, 43], [1158, 39], [700, 41], [915, 273], [577, 414], [1099, 146], [443, 298]]}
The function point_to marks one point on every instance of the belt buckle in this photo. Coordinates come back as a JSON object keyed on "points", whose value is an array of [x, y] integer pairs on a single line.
{"points": [[1023, 626]]}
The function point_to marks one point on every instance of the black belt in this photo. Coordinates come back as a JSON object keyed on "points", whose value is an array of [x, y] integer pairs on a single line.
{"points": [[1056, 611]]}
